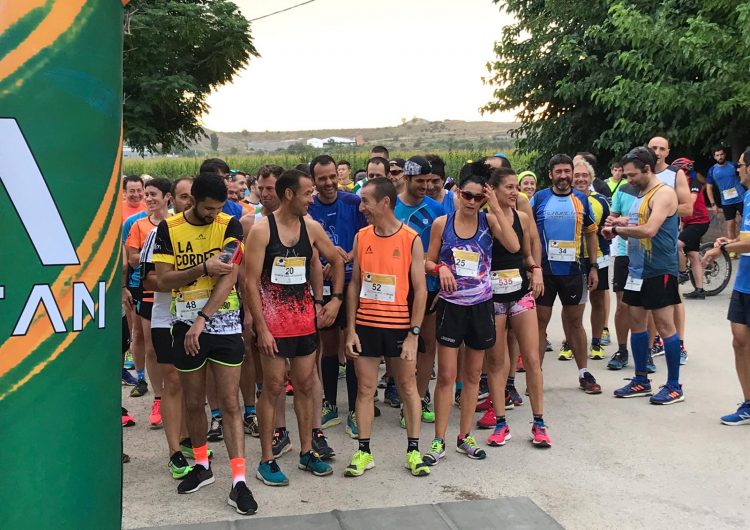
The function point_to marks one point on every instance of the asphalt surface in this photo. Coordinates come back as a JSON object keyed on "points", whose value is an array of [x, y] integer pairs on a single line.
{"points": [[613, 463]]}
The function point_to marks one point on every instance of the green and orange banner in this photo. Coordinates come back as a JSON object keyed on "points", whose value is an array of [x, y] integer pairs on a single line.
{"points": [[60, 314]]}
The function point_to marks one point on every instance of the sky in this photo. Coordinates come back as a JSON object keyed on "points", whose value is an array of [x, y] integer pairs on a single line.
{"points": [[361, 63]]}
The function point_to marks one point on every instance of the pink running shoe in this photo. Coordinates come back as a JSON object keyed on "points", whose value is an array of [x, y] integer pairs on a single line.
{"points": [[487, 421], [155, 417], [484, 405], [539, 436], [500, 436], [127, 419]]}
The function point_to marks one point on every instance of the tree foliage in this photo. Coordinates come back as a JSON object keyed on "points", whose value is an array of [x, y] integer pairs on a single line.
{"points": [[175, 53], [605, 75]]}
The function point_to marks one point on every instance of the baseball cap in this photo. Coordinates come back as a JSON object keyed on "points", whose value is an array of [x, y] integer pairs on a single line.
{"points": [[398, 162], [417, 165]]}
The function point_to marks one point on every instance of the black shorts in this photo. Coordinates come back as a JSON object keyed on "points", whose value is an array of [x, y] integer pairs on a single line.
{"points": [[620, 273], [136, 293], [162, 341], [732, 210], [603, 275], [340, 321], [292, 347], [473, 325], [431, 306], [227, 350], [739, 308], [691, 235], [143, 309], [572, 290], [657, 292], [380, 342], [125, 335]]}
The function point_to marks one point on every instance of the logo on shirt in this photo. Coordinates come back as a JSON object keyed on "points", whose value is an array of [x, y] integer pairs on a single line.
{"points": [[200, 237], [396, 253], [368, 250]]}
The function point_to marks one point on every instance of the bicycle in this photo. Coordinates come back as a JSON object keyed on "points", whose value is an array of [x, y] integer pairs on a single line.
{"points": [[716, 276]]}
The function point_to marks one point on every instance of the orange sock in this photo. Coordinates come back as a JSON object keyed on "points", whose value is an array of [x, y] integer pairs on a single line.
{"points": [[238, 470], [201, 455]]}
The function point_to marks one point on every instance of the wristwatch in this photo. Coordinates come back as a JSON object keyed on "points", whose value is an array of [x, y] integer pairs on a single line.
{"points": [[339, 296], [204, 316], [415, 330], [320, 302], [594, 265]]}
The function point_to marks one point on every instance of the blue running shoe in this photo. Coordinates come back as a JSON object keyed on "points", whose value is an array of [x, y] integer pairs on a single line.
{"points": [[271, 475], [650, 366], [352, 429], [390, 396], [128, 379], [330, 415], [637, 387], [618, 361], [741, 417], [668, 395], [311, 462], [683, 356]]}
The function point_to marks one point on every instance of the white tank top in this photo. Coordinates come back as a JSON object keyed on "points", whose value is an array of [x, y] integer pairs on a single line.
{"points": [[668, 177]]}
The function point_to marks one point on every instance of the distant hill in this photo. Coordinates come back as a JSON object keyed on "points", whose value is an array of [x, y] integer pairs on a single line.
{"points": [[410, 135]]}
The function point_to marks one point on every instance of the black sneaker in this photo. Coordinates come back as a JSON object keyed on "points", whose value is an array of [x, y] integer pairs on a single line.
{"points": [[376, 412], [198, 477], [242, 499], [215, 433], [320, 446], [250, 422], [484, 388], [618, 361], [698, 294], [683, 277], [281, 443], [140, 389]]}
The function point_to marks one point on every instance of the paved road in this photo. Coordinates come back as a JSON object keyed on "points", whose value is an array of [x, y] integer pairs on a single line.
{"points": [[614, 463]]}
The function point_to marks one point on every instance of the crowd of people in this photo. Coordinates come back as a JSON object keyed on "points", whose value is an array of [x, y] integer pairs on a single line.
{"points": [[240, 290]]}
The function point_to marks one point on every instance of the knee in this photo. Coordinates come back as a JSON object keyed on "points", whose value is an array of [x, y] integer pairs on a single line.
{"points": [[407, 386], [495, 362], [531, 362], [194, 403], [471, 377], [171, 382], [446, 377], [304, 386], [272, 387], [365, 388]]}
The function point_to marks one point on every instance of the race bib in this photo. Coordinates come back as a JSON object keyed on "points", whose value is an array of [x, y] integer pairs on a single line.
{"points": [[326, 290], [729, 194], [506, 281], [188, 303], [288, 271], [467, 263], [602, 261], [380, 287], [561, 250], [634, 284]]}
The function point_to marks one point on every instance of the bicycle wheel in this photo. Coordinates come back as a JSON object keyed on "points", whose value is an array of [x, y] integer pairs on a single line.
{"points": [[717, 275]]}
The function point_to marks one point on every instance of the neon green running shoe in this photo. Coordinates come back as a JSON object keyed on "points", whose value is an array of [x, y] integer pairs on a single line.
{"points": [[597, 353], [178, 466], [187, 449], [416, 465], [428, 416], [361, 462], [566, 352]]}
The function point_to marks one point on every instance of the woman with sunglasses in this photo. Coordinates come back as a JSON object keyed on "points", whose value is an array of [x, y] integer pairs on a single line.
{"points": [[460, 254]]}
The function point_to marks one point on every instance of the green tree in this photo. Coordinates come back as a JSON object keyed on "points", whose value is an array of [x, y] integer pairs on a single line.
{"points": [[606, 75], [175, 53], [214, 138]]}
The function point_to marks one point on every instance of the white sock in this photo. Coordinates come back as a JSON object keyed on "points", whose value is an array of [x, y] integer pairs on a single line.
{"points": [[582, 371]]}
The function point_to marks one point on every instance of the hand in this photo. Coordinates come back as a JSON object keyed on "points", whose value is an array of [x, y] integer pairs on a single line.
{"points": [[353, 347], [607, 233], [489, 194], [715, 209], [216, 267], [409, 348], [344, 254], [537, 282], [192, 344], [327, 272], [722, 241], [328, 313], [616, 221], [593, 279], [247, 323], [711, 255], [447, 281], [267, 344], [127, 299]]}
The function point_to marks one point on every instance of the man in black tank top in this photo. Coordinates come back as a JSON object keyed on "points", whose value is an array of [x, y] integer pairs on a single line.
{"points": [[284, 313]]}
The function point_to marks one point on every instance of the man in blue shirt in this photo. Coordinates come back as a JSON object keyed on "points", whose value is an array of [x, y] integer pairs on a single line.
{"points": [[722, 177], [739, 306]]}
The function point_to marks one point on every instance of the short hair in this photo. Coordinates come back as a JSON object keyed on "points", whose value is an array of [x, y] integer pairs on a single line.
{"points": [[640, 157], [438, 165], [131, 178], [560, 158], [585, 163], [344, 163], [176, 182], [382, 150], [382, 187], [719, 148], [320, 160], [268, 170], [209, 186], [500, 174], [615, 164], [289, 180], [589, 157], [746, 156], [162, 184], [304, 167], [380, 160], [214, 165]]}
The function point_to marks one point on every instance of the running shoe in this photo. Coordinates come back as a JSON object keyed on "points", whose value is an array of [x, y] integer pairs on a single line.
{"points": [[515, 397], [508, 401], [383, 382], [402, 419], [683, 356], [741, 417], [361, 462], [433, 376], [390, 396], [457, 397], [321, 447], [605, 340], [416, 465], [196, 478], [258, 389], [270, 474], [216, 431], [436, 452], [487, 421], [376, 411], [351, 425], [539, 436], [733, 255], [683, 277], [566, 353], [519, 365], [128, 379], [140, 388], [250, 421], [638, 386], [650, 366], [330, 416], [427, 397], [668, 395], [154, 419], [657, 348], [500, 435], [289, 389], [698, 294], [128, 363], [548, 346], [428, 415], [618, 361], [186, 448], [484, 388], [342, 371], [311, 461], [241, 498], [588, 384], [597, 353], [127, 419], [281, 443], [178, 465], [469, 447], [484, 406]]}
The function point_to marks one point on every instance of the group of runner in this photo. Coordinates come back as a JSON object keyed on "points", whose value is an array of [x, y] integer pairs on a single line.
{"points": [[257, 287]]}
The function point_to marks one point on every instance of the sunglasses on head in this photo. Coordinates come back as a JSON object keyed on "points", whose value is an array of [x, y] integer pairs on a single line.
{"points": [[479, 197]]}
